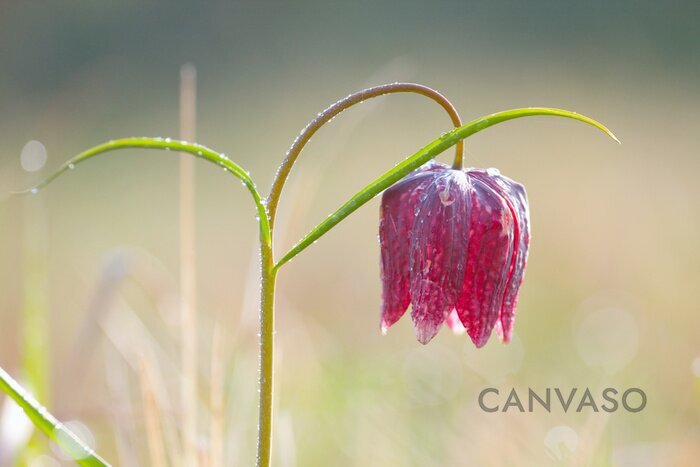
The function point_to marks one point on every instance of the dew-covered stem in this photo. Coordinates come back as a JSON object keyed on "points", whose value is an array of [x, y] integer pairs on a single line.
{"points": [[267, 346], [343, 104]]}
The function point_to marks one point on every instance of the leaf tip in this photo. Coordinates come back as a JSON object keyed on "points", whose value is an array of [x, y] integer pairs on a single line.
{"points": [[28, 191]]}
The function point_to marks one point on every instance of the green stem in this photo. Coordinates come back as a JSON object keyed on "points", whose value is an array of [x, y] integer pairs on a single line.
{"points": [[267, 346], [49, 425], [343, 104]]}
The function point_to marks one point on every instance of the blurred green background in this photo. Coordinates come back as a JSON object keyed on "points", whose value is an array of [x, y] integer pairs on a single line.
{"points": [[609, 298]]}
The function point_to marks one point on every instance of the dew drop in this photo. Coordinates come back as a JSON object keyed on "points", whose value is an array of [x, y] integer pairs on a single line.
{"points": [[493, 172], [34, 190], [445, 197], [71, 166]]}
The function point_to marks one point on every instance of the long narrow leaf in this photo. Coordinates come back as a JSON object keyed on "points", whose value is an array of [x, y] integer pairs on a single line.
{"points": [[426, 153], [168, 145], [49, 425]]}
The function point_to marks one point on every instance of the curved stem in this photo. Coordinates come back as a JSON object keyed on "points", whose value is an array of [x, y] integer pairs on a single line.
{"points": [[325, 116]]}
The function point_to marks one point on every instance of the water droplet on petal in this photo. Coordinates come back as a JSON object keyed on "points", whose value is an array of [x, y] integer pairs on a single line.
{"points": [[446, 197], [494, 172]]}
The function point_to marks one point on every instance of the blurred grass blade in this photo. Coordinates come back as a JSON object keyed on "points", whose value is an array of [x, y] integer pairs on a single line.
{"points": [[189, 333], [421, 157], [49, 425], [35, 312], [166, 144]]}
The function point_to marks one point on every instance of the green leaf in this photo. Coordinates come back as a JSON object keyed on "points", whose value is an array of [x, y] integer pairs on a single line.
{"points": [[168, 145], [49, 425], [426, 153]]}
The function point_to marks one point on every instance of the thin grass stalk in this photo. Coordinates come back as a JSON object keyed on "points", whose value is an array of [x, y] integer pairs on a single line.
{"points": [[216, 399], [151, 413], [121, 408], [127, 334], [188, 287], [35, 319], [35, 302]]}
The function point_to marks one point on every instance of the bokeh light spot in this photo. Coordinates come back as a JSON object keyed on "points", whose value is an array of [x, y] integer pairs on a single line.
{"points": [[695, 367], [80, 430], [560, 442], [33, 156]]}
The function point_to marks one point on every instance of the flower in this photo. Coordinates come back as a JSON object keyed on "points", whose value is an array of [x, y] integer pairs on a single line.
{"points": [[454, 245]]}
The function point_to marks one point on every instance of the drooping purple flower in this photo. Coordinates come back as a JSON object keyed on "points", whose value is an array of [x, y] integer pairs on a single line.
{"points": [[454, 245]]}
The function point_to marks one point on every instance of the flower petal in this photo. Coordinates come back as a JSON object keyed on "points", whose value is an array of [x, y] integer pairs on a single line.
{"points": [[488, 262], [515, 196], [438, 251], [396, 220]]}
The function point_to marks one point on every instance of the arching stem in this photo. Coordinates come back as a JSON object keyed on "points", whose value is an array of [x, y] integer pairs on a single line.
{"points": [[343, 104]]}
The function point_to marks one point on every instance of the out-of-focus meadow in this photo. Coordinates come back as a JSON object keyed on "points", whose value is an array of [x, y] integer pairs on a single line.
{"points": [[89, 267]]}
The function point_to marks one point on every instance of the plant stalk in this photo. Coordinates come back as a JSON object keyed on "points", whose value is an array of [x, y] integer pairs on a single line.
{"points": [[267, 341], [343, 104]]}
